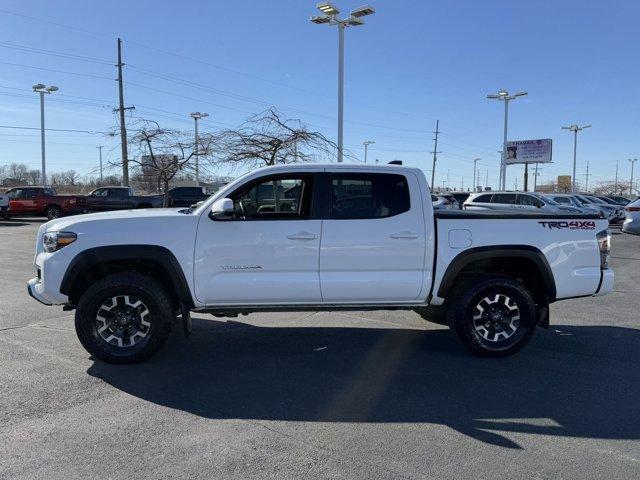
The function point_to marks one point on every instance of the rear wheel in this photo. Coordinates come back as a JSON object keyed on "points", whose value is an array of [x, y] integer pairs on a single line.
{"points": [[52, 212], [124, 318], [492, 315]]}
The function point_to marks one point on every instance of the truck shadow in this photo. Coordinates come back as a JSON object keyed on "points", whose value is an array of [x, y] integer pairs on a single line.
{"points": [[570, 381]]}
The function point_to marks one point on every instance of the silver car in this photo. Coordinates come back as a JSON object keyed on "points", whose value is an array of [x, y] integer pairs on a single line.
{"points": [[516, 201], [632, 221], [573, 201], [610, 212]]}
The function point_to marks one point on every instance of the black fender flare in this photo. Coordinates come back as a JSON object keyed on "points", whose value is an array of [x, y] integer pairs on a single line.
{"points": [[84, 261], [465, 258]]}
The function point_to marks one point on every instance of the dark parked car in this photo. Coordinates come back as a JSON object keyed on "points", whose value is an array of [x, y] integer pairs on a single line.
{"points": [[119, 198], [186, 196], [619, 199]]}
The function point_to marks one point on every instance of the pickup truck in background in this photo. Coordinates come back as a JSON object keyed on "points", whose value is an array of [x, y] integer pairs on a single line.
{"points": [[42, 202], [317, 237], [186, 196], [119, 198]]}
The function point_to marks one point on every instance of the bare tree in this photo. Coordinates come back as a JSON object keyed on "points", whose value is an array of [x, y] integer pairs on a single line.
{"points": [[70, 177], [160, 153], [268, 139], [33, 177]]}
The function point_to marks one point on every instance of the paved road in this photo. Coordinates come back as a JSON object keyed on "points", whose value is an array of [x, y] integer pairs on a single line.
{"points": [[321, 395]]}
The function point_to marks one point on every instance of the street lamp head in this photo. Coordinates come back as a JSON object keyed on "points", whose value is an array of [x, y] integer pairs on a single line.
{"points": [[52, 89], [198, 115], [362, 11], [586, 126], [368, 142], [38, 86], [503, 93], [492, 96], [320, 19], [327, 8], [354, 22], [521, 94]]}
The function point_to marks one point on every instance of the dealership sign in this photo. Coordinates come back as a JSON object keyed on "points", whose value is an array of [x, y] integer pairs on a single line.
{"points": [[529, 151]]}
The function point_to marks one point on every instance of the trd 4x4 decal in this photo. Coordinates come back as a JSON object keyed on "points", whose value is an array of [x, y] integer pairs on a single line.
{"points": [[572, 225]]}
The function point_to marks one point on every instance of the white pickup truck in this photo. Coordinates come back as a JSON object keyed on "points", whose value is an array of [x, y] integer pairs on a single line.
{"points": [[313, 237]]}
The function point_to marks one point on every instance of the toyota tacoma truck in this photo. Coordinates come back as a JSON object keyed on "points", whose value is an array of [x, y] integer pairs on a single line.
{"points": [[317, 237], [119, 198]]}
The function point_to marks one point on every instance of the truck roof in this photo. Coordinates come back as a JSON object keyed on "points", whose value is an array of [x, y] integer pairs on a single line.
{"points": [[353, 167]]}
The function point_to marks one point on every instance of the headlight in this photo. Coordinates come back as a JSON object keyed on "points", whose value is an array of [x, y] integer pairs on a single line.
{"points": [[53, 241]]}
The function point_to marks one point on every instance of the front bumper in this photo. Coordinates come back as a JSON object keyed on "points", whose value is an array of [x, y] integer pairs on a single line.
{"points": [[36, 291]]}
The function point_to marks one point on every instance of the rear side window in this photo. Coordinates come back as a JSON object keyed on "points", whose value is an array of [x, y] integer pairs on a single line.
{"points": [[366, 196], [527, 200], [482, 199], [509, 198], [118, 192], [193, 191], [563, 200], [49, 192]]}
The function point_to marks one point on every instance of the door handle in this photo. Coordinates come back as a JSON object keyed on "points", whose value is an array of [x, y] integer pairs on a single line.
{"points": [[404, 235], [302, 236]]}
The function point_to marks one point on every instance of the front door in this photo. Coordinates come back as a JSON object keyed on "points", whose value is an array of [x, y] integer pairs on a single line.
{"points": [[374, 240], [268, 253]]}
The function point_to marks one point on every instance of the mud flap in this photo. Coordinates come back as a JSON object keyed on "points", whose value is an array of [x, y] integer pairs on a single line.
{"points": [[187, 324]]}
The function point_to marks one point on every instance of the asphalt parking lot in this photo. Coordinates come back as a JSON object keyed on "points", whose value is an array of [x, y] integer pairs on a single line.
{"points": [[321, 395]]}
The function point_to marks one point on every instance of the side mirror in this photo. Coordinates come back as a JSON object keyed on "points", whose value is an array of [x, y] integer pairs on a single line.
{"points": [[222, 209], [538, 204]]}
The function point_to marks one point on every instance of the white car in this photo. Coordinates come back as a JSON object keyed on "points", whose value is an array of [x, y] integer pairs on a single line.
{"points": [[316, 237], [632, 221], [517, 201]]}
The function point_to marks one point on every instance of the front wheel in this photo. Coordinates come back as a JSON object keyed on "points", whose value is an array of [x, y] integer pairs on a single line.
{"points": [[492, 315], [124, 318]]}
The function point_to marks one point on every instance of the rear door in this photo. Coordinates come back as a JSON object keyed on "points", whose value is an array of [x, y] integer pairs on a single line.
{"points": [[503, 201], [373, 239]]}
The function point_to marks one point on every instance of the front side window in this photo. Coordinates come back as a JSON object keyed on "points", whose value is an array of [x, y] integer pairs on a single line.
{"points": [[101, 192], [361, 196], [528, 200], [283, 198]]}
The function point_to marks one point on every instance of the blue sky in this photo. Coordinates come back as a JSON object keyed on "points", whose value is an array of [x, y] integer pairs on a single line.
{"points": [[412, 63]]}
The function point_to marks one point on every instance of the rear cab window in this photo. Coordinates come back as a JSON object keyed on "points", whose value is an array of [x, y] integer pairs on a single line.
{"points": [[368, 195]]}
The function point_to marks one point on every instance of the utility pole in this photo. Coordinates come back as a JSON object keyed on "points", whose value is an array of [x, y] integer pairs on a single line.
{"points": [[486, 178], [435, 153], [526, 177], [123, 128], [99, 147], [197, 116], [475, 176], [516, 184], [366, 144], [633, 161], [615, 187], [586, 179], [535, 177]]}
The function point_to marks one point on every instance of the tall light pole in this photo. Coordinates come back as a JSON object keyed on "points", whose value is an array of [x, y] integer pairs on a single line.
{"points": [[330, 16], [99, 147], [633, 161], [42, 89], [505, 97], [197, 116], [366, 144], [475, 177], [615, 187], [575, 129]]}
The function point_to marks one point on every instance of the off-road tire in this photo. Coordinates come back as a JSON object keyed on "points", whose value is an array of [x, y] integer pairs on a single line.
{"points": [[161, 314], [462, 305], [52, 212]]}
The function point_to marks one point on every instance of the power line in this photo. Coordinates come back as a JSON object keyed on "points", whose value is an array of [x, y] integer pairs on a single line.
{"points": [[88, 75]]}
